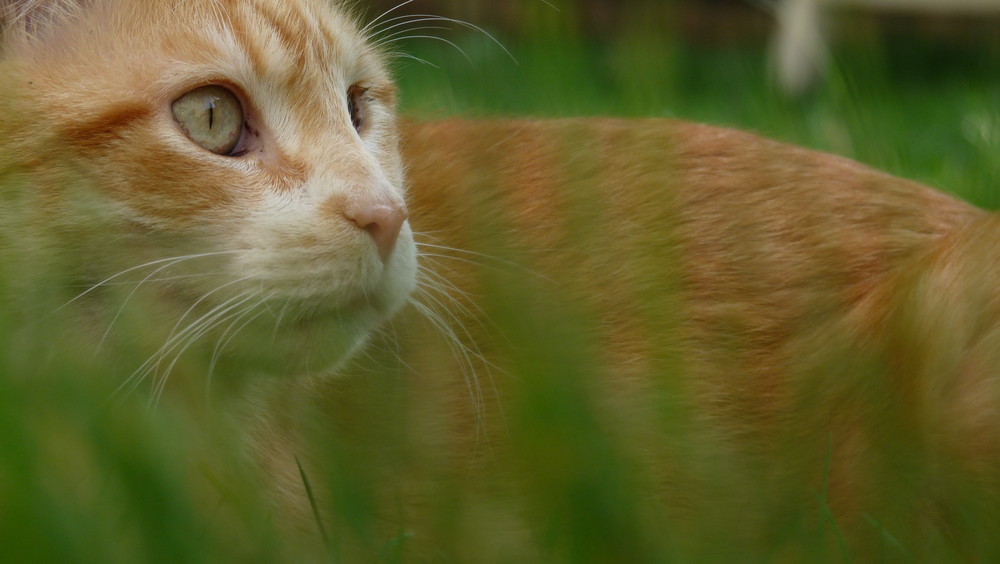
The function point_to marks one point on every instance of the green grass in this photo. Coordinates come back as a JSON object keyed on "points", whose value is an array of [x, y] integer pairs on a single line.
{"points": [[85, 479], [920, 110]]}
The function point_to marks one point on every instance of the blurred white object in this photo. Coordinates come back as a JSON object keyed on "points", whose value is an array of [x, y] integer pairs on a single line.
{"points": [[800, 51]]}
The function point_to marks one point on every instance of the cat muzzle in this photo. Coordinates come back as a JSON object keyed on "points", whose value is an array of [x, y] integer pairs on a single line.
{"points": [[382, 220]]}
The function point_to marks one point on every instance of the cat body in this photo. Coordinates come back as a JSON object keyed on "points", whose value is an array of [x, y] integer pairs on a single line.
{"points": [[706, 299], [620, 335]]}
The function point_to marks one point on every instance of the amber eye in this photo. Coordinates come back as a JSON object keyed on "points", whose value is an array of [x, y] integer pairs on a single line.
{"points": [[212, 117], [355, 106]]}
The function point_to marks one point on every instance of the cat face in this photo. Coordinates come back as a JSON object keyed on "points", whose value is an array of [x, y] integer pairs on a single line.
{"points": [[236, 160]]}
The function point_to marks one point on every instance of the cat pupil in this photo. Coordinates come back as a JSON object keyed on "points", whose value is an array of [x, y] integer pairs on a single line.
{"points": [[197, 112], [353, 107]]}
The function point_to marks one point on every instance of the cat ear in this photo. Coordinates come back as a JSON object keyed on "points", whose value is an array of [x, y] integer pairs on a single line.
{"points": [[30, 17]]}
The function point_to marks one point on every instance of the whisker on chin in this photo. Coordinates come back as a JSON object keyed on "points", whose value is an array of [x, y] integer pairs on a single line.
{"points": [[125, 302], [195, 331], [223, 341], [203, 298], [176, 339], [279, 319]]}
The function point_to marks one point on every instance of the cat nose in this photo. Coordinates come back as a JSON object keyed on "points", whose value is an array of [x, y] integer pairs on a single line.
{"points": [[381, 219]]}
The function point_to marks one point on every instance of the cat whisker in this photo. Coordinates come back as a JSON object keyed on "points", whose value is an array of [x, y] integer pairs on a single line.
{"points": [[461, 352], [124, 303], [474, 254], [442, 40], [443, 288], [386, 39], [160, 279], [401, 55], [171, 260], [380, 35], [229, 334], [425, 255], [173, 340], [393, 336], [422, 18], [191, 334], [366, 29], [205, 296], [396, 36], [447, 289], [436, 310], [279, 319]]}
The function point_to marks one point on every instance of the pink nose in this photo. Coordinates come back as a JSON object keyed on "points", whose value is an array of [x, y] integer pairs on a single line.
{"points": [[382, 220]]}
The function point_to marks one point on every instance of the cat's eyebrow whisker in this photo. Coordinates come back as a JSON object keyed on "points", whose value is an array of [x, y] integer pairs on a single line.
{"points": [[420, 18], [382, 36], [442, 40], [401, 35], [401, 55], [377, 19], [395, 36]]}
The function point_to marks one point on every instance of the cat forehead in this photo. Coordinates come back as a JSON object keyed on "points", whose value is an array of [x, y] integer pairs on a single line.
{"points": [[299, 32], [271, 34]]}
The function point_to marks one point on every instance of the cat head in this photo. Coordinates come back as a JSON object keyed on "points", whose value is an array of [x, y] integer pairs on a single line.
{"points": [[235, 162]]}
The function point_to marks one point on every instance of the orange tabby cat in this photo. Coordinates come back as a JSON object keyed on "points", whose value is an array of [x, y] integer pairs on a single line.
{"points": [[628, 337]]}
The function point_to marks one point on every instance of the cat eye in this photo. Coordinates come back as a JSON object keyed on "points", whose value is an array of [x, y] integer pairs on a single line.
{"points": [[212, 117], [355, 106]]}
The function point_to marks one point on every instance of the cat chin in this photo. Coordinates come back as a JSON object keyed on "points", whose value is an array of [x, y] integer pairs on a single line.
{"points": [[315, 335]]}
